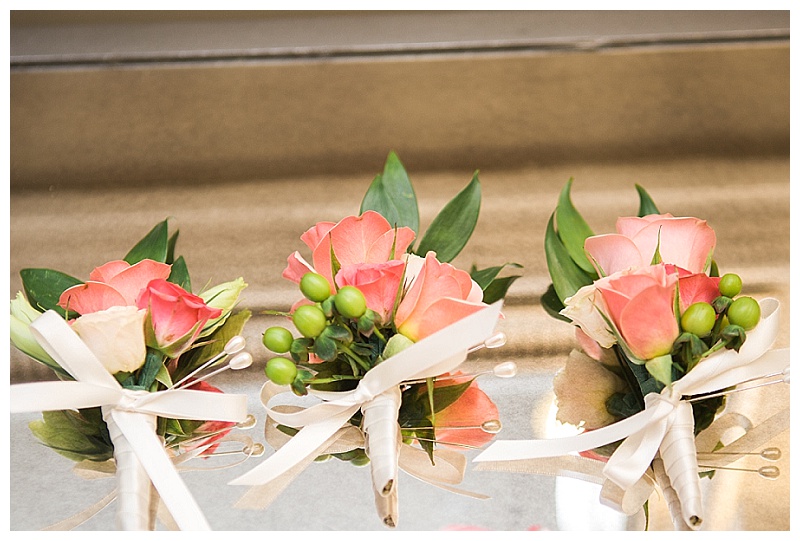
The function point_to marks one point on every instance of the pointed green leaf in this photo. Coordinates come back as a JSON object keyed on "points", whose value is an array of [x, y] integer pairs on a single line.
{"points": [[392, 195], [173, 240], [153, 246], [573, 229], [646, 204], [163, 376], [43, 287], [567, 276], [73, 435], [453, 226], [498, 288], [152, 365], [484, 277], [445, 395], [552, 304], [660, 368], [179, 274]]}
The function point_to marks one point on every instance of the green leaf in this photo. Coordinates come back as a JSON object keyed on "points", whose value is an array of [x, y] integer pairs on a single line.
{"points": [[153, 246], [77, 435], [445, 395], [660, 368], [567, 276], [43, 287], [325, 349], [392, 196], [705, 412], [453, 226], [152, 365], [173, 240], [484, 277], [179, 274], [573, 229], [498, 288], [623, 405], [646, 204], [338, 333], [553, 305], [163, 377]]}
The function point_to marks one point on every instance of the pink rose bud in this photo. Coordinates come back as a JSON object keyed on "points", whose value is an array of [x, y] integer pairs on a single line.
{"points": [[175, 317], [641, 304]]}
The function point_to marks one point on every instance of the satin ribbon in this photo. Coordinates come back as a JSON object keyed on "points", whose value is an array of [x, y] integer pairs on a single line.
{"points": [[95, 386], [436, 354], [644, 432]]}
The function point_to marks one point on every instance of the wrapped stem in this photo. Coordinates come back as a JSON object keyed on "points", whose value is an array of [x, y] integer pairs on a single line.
{"points": [[383, 443], [670, 496], [679, 453], [135, 492]]}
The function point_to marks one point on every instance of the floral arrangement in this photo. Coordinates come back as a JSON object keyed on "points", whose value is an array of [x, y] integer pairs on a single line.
{"points": [[134, 330], [371, 302], [662, 337]]}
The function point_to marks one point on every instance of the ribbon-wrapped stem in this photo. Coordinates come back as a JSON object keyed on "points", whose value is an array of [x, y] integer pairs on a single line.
{"points": [[383, 441], [679, 456], [670, 496], [134, 489]]}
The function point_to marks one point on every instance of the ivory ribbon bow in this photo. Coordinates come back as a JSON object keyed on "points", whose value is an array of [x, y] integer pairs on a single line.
{"points": [[95, 386], [440, 352], [645, 432]]}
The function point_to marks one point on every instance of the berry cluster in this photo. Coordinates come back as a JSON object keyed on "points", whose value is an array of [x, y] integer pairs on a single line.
{"points": [[337, 329], [708, 327]]}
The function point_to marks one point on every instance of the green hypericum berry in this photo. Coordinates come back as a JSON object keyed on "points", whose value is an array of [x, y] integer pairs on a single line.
{"points": [[277, 339], [350, 302], [730, 285], [745, 312], [280, 370], [315, 287], [699, 319], [309, 320]]}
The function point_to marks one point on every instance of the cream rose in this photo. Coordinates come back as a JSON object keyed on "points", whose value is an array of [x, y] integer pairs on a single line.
{"points": [[115, 336], [583, 309]]}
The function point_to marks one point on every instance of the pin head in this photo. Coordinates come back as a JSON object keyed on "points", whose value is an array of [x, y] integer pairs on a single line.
{"points": [[492, 426], [241, 360], [256, 449], [495, 341], [769, 472], [234, 345], [507, 369], [771, 453]]}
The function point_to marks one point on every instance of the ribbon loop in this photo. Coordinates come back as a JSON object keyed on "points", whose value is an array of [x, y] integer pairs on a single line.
{"points": [[96, 387], [438, 353], [655, 428]]}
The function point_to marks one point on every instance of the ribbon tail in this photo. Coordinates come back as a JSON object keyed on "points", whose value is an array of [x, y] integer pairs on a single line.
{"points": [[304, 443], [60, 395], [171, 488]]}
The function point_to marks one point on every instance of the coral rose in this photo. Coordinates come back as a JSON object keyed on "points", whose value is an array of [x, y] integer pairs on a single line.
{"points": [[472, 408], [116, 283], [175, 317], [685, 242], [365, 239], [641, 304], [379, 282], [438, 296]]}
